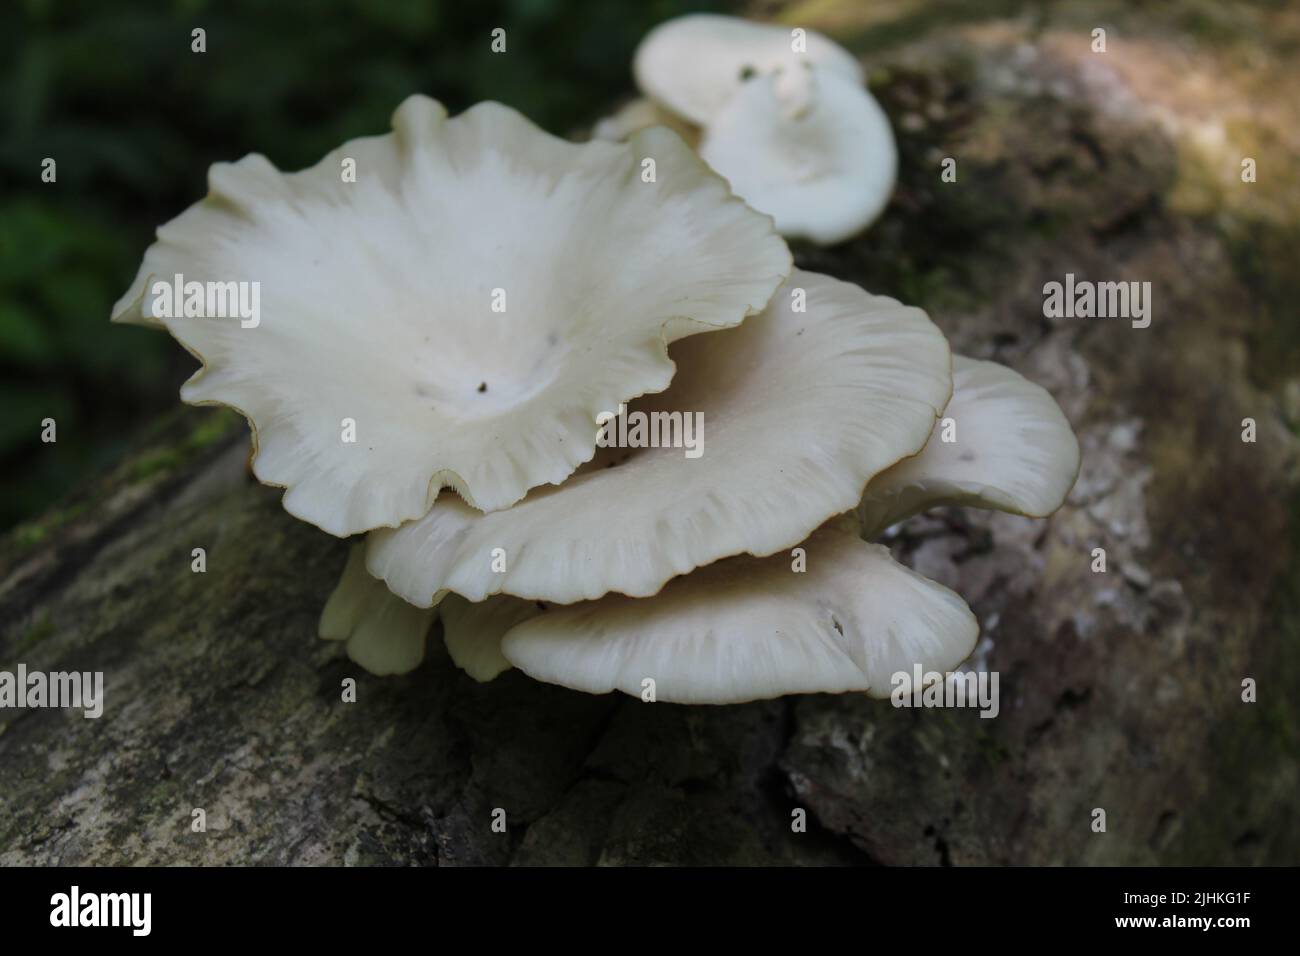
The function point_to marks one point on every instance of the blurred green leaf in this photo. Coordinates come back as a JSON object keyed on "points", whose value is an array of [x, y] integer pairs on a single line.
{"points": [[22, 340]]}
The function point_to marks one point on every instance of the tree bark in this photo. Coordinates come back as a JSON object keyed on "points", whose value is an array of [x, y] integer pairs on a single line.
{"points": [[1120, 691]]}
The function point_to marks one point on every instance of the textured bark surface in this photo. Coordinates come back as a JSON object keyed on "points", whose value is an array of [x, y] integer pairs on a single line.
{"points": [[1119, 691]]}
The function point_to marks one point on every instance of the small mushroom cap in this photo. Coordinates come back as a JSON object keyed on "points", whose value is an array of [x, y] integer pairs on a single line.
{"points": [[1014, 451], [695, 64], [823, 171], [752, 628], [473, 631], [471, 302], [639, 114], [384, 634], [799, 410]]}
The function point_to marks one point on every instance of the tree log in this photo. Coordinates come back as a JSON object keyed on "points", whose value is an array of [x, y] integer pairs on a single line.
{"points": [[1120, 690]]}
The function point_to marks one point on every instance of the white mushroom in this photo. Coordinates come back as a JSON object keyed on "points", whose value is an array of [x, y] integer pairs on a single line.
{"points": [[1012, 450], [473, 631], [642, 113], [694, 65], [460, 313], [745, 628], [384, 634], [823, 171], [799, 410], [750, 628]]}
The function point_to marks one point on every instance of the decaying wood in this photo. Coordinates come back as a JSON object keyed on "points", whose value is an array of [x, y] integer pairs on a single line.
{"points": [[1120, 691]]}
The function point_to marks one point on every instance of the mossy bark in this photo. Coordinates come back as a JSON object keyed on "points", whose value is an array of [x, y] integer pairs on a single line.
{"points": [[1120, 691]]}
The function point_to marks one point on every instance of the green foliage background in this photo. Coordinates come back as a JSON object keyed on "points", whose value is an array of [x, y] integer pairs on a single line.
{"points": [[133, 119]]}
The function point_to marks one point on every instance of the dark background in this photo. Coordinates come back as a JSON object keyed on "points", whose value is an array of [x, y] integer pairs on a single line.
{"points": [[133, 119]]}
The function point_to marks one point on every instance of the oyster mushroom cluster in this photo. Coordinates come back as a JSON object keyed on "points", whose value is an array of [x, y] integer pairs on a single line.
{"points": [[483, 351], [780, 112]]}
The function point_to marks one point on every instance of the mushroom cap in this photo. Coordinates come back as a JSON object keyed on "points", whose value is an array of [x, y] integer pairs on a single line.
{"points": [[1014, 451], [473, 631], [695, 64], [751, 628], [799, 410], [384, 634], [640, 113], [823, 171], [378, 298]]}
